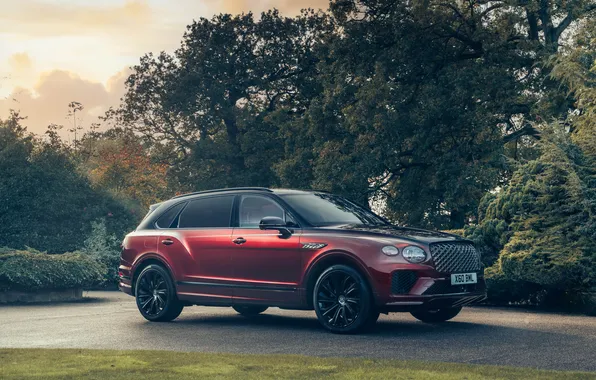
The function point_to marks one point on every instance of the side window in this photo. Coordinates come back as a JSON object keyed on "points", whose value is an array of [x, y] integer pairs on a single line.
{"points": [[207, 212], [167, 219], [255, 208]]}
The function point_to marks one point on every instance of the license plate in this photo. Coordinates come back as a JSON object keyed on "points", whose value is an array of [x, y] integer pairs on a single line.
{"points": [[463, 278]]}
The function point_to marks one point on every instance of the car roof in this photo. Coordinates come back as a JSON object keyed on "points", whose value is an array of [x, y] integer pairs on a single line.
{"points": [[240, 189]]}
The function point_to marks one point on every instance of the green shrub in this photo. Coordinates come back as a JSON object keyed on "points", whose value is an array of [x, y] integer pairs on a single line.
{"points": [[33, 270], [45, 202], [544, 224], [104, 247]]}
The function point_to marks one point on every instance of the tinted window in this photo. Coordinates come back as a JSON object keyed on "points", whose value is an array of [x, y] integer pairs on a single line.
{"points": [[321, 209], [168, 218], [207, 212], [254, 208]]}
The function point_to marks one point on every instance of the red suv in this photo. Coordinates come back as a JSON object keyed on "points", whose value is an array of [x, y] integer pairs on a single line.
{"points": [[254, 248]]}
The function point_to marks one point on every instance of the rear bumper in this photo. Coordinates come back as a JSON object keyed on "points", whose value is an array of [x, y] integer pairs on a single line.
{"points": [[125, 287], [125, 282]]}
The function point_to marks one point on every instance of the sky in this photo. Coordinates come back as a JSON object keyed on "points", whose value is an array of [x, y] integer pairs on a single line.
{"points": [[53, 52]]}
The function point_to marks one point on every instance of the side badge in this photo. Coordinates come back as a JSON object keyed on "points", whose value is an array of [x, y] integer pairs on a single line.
{"points": [[313, 245]]}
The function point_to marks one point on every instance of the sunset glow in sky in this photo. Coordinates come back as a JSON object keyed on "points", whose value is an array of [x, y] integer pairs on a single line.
{"points": [[53, 52]]}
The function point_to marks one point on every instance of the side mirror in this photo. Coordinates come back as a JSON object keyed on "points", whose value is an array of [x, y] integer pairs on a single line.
{"points": [[275, 223]]}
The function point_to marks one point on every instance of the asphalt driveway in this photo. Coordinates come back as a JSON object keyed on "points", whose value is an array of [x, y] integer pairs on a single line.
{"points": [[477, 335]]}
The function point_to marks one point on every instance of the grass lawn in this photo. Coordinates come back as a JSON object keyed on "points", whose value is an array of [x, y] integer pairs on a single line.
{"points": [[112, 364]]}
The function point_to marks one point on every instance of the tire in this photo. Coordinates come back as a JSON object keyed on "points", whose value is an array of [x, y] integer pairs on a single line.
{"points": [[249, 310], [155, 294], [343, 302], [436, 316]]}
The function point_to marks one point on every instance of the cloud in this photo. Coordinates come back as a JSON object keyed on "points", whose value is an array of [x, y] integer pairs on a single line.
{"points": [[36, 17], [47, 103], [20, 62], [79, 44]]}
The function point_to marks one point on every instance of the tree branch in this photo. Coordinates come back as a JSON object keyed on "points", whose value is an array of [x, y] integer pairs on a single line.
{"points": [[528, 130]]}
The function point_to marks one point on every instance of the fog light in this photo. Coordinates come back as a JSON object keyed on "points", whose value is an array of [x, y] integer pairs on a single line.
{"points": [[390, 250], [414, 254]]}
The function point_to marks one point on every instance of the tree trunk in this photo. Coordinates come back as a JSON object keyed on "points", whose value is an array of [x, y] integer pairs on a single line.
{"points": [[457, 219]]}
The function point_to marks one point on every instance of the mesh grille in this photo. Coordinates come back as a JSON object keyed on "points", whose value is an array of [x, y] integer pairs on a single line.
{"points": [[455, 257], [402, 281]]}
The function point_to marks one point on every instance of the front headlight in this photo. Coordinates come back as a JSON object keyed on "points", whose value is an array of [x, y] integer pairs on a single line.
{"points": [[414, 254]]}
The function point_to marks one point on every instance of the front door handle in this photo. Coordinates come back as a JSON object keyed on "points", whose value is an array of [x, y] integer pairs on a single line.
{"points": [[167, 242], [239, 241]]}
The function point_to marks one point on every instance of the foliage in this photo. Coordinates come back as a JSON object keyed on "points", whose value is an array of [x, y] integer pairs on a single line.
{"points": [[421, 99], [416, 102], [44, 202], [544, 221], [211, 101], [116, 161], [32, 270], [104, 248]]}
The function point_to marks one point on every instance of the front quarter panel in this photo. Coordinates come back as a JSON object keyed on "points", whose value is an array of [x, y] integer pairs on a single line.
{"points": [[363, 250]]}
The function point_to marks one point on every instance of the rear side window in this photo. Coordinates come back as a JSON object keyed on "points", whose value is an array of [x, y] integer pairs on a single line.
{"points": [[168, 218], [207, 212]]}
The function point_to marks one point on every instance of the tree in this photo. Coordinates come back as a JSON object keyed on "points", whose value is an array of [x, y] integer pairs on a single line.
{"points": [[211, 101], [422, 100], [116, 161], [73, 107], [44, 202], [544, 221]]}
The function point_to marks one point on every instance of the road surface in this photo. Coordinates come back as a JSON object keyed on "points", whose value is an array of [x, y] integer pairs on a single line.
{"points": [[478, 335]]}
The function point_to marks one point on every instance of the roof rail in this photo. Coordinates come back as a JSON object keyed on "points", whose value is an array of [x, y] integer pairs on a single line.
{"points": [[223, 190]]}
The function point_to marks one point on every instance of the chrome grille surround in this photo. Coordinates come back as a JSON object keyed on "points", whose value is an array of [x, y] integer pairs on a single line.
{"points": [[455, 257]]}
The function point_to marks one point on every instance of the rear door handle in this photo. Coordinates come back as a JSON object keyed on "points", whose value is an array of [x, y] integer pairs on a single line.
{"points": [[167, 242], [239, 241]]}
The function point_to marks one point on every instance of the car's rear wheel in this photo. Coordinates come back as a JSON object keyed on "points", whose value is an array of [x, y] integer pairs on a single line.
{"points": [[342, 300], [156, 295], [436, 316], [249, 310]]}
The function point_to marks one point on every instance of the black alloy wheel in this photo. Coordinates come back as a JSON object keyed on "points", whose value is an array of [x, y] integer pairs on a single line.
{"points": [[156, 295], [249, 310], [343, 301]]}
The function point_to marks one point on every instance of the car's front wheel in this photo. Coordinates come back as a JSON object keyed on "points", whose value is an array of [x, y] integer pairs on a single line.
{"points": [[156, 295], [436, 316], [249, 310], [342, 300]]}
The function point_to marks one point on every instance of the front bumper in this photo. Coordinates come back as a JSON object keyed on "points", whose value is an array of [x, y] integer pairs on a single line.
{"points": [[412, 289]]}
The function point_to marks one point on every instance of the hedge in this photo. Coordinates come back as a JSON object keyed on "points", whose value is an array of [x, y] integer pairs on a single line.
{"points": [[32, 270]]}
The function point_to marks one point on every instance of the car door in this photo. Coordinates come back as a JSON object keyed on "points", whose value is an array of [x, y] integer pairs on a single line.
{"points": [[200, 245], [267, 266]]}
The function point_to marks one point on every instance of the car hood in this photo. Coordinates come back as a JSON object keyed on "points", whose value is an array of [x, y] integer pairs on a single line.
{"points": [[406, 233]]}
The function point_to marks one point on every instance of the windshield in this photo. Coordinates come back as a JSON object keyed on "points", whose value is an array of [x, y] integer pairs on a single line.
{"points": [[320, 209]]}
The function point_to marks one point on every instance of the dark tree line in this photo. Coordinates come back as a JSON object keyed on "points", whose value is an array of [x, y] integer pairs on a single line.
{"points": [[421, 104]]}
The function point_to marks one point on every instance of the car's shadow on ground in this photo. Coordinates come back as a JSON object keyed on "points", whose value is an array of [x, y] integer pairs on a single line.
{"points": [[455, 332], [311, 324], [82, 301]]}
